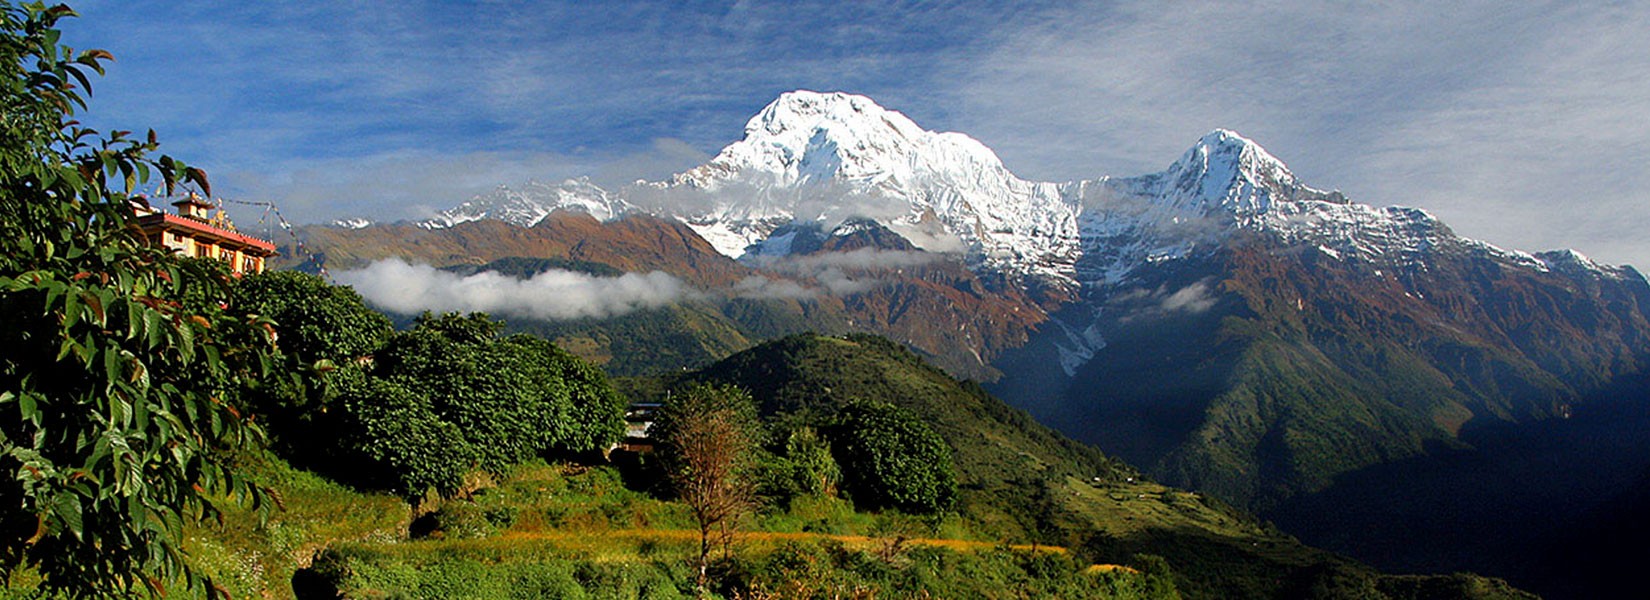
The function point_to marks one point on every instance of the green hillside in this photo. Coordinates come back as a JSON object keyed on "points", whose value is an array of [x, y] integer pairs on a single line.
{"points": [[1300, 369], [1038, 516], [1022, 481]]}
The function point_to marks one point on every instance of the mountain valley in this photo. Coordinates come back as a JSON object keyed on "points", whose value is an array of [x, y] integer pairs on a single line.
{"points": [[1220, 324]]}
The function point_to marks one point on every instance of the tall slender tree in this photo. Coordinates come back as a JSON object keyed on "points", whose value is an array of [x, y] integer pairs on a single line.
{"points": [[708, 436]]}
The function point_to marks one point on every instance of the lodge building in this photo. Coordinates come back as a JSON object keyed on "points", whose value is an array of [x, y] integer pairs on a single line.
{"points": [[195, 231]]}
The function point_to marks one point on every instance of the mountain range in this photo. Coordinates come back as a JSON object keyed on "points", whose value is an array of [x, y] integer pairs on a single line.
{"points": [[1220, 323]]}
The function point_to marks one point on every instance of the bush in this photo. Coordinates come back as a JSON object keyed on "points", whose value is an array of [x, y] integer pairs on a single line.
{"points": [[891, 459], [399, 442], [448, 397]]}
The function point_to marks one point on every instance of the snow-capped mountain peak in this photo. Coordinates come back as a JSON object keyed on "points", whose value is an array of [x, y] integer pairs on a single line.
{"points": [[936, 189], [825, 158], [529, 203], [812, 137], [1224, 170]]}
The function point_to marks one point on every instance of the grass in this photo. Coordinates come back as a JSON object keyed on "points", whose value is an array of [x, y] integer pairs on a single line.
{"points": [[568, 531], [253, 557], [579, 533]]}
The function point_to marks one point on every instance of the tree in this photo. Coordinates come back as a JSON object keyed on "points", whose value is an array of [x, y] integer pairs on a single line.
{"points": [[892, 459], [117, 407], [584, 410], [314, 320], [449, 397], [325, 330], [708, 435], [474, 383]]}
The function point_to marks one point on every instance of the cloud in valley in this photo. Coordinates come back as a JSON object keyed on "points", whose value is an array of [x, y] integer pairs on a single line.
{"points": [[759, 287], [845, 273], [1194, 299], [397, 286]]}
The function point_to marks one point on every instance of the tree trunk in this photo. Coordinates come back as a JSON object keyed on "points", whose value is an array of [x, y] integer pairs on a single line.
{"points": [[704, 557]]}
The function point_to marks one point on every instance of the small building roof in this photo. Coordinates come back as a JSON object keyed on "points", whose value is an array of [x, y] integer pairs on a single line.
{"points": [[197, 228]]}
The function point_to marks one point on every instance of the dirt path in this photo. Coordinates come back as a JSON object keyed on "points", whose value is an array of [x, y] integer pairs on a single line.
{"points": [[851, 540], [857, 541]]}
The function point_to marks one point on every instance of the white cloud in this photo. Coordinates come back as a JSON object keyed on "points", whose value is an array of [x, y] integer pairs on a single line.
{"points": [[846, 273], [765, 288], [400, 287], [389, 187], [1193, 299]]}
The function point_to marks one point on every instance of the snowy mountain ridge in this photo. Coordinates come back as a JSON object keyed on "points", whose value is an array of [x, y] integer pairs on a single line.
{"points": [[828, 157], [531, 202]]}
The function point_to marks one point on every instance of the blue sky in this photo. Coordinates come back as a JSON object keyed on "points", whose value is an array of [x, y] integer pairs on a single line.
{"points": [[1524, 124]]}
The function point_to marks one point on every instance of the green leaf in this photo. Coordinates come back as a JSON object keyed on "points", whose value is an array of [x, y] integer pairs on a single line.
{"points": [[111, 366], [27, 409], [154, 327], [67, 508], [71, 309]]}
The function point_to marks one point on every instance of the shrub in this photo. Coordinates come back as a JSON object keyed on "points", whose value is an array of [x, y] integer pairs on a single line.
{"points": [[891, 459]]}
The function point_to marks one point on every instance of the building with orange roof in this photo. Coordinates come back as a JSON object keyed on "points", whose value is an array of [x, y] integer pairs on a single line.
{"points": [[195, 231]]}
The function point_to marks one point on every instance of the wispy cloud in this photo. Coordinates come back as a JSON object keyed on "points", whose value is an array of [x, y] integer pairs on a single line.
{"points": [[416, 184], [845, 273], [767, 288], [1193, 299], [1490, 114], [286, 89], [397, 286]]}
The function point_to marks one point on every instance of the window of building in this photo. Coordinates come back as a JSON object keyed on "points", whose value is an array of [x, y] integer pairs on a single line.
{"points": [[249, 264], [203, 250]]}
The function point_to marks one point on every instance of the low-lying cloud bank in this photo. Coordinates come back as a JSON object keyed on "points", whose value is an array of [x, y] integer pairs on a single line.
{"points": [[840, 273], [398, 286]]}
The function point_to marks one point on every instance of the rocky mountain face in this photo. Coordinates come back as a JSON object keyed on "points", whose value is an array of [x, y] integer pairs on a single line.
{"points": [[858, 276], [1220, 323]]}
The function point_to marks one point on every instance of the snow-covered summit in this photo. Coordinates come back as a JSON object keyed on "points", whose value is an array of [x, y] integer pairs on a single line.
{"points": [[1226, 183], [1227, 172], [943, 191], [806, 136]]}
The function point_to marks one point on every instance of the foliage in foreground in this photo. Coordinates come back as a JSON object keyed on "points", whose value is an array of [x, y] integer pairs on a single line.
{"points": [[117, 368]]}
